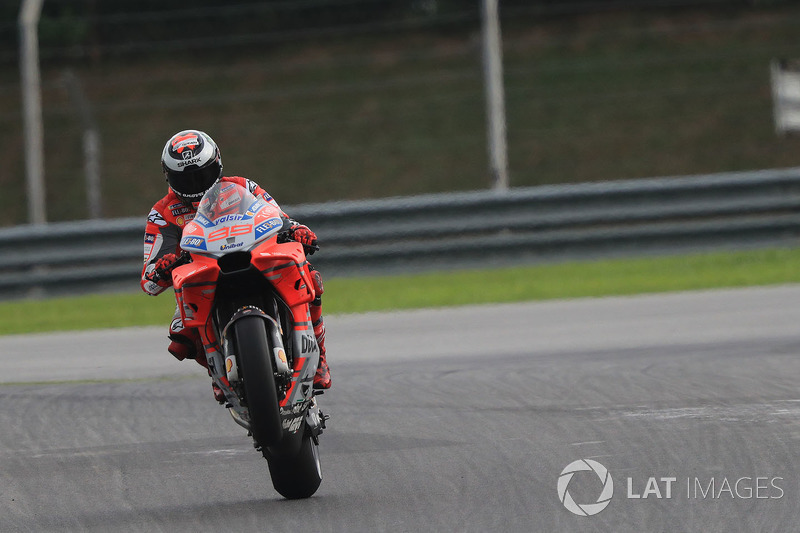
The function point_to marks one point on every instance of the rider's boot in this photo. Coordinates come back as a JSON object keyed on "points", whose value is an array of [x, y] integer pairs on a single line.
{"points": [[218, 394], [322, 379], [187, 344]]}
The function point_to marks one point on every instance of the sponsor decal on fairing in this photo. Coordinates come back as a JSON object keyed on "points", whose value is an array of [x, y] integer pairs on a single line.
{"points": [[292, 425], [308, 344], [255, 208], [197, 243], [227, 218], [203, 221], [267, 226]]}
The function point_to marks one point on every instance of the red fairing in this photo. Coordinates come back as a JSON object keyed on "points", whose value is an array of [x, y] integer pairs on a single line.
{"points": [[195, 285], [286, 267]]}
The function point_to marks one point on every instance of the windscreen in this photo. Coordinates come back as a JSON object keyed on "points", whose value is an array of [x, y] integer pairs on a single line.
{"points": [[224, 199], [230, 218]]}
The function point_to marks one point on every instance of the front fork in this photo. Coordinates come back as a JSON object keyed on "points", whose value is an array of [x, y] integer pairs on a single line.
{"points": [[225, 372], [280, 363], [224, 367]]}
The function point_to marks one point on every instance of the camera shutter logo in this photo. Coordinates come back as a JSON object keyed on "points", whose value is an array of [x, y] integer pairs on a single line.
{"points": [[585, 509]]}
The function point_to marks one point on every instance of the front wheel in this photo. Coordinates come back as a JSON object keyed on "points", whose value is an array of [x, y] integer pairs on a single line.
{"points": [[299, 475], [255, 366]]}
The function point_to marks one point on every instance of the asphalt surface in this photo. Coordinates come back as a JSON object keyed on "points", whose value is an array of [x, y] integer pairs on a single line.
{"points": [[445, 420]]}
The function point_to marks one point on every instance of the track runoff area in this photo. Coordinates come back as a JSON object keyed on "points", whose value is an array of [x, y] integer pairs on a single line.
{"points": [[607, 414]]}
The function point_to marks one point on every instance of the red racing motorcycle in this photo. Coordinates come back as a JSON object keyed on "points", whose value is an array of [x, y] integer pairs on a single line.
{"points": [[247, 288]]}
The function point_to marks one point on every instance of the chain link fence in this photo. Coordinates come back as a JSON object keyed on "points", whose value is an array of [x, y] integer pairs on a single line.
{"points": [[322, 100]]}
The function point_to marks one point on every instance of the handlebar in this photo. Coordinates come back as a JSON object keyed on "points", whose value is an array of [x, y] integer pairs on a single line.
{"points": [[185, 257], [310, 249], [163, 273], [285, 235]]}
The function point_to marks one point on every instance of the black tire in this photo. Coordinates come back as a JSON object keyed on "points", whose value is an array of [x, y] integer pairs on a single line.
{"points": [[255, 362], [297, 476]]}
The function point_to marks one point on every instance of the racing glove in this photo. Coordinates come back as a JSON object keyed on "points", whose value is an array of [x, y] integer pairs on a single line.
{"points": [[300, 233], [162, 273]]}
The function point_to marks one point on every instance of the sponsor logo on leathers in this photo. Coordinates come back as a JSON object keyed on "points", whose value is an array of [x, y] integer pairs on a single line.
{"points": [[156, 218]]}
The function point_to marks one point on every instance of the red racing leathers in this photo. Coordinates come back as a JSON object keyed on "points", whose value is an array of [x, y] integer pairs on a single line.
{"points": [[162, 236]]}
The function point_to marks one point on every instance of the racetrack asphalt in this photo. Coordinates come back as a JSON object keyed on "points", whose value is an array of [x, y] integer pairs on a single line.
{"points": [[441, 420]]}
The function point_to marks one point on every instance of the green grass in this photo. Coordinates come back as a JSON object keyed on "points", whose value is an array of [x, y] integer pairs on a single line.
{"points": [[539, 282]]}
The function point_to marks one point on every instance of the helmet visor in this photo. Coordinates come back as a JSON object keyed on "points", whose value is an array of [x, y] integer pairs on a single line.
{"points": [[193, 184]]}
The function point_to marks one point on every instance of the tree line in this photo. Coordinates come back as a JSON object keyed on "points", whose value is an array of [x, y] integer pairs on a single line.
{"points": [[107, 27]]}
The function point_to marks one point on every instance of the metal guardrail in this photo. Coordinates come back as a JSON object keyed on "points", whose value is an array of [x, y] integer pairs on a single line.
{"points": [[483, 228]]}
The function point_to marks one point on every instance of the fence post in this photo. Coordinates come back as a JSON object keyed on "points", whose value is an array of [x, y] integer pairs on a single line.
{"points": [[495, 97], [32, 108], [91, 143]]}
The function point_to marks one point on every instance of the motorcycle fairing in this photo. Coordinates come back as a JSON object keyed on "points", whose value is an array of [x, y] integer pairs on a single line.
{"points": [[195, 288], [200, 274], [284, 265]]}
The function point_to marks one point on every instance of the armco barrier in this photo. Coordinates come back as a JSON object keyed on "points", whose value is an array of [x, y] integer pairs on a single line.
{"points": [[452, 230]]}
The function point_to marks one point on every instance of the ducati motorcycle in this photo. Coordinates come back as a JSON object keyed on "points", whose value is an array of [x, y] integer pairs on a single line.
{"points": [[247, 288]]}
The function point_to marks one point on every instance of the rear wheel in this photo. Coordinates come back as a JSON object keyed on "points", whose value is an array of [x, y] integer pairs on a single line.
{"points": [[299, 475]]}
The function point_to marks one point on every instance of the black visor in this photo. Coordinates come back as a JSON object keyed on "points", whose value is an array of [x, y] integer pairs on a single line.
{"points": [[193, 183]]}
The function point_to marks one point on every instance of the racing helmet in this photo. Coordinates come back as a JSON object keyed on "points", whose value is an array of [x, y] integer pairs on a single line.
{"points": [[192, 164]]}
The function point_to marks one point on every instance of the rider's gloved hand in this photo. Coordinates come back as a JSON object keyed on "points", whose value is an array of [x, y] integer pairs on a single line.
{"points": [[162, 273], [300, 233]]}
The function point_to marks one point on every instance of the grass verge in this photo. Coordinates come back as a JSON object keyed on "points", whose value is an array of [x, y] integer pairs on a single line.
{"points": [[538, 282]]}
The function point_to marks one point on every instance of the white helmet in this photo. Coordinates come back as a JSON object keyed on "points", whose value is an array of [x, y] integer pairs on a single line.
{"points": [[192, 164]]}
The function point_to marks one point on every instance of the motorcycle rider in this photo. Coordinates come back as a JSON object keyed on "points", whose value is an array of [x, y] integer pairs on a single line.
{"points": [[192, 164]]}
